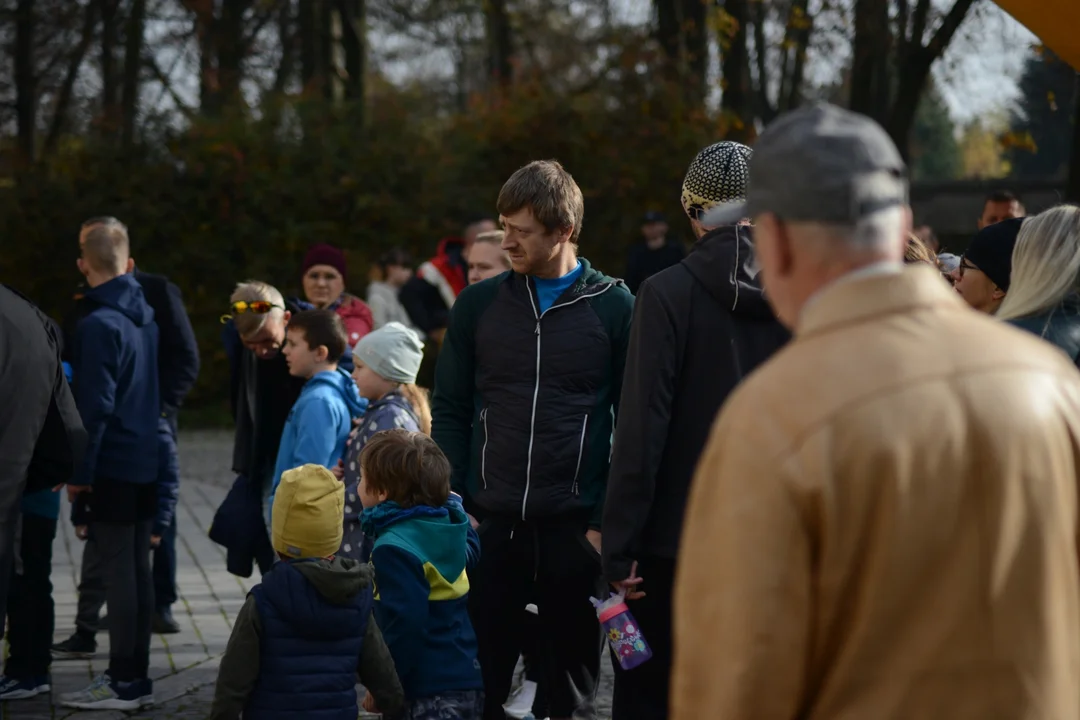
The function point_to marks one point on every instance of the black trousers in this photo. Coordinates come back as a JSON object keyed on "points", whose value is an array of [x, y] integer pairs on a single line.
{"points": [[30, 603], [91, 588], [642, 693], [129, 591], [555, 566]]}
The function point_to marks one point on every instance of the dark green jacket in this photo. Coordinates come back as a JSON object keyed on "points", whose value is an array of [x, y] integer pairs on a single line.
{"points": [[336, 580], [525, 402], [1059, 325]]}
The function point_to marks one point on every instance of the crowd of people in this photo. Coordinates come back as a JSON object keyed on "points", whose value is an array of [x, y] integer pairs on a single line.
{"points": [[831, 469]]}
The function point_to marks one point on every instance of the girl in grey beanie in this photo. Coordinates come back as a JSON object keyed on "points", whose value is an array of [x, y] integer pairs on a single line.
{"points": [[385, 365]]}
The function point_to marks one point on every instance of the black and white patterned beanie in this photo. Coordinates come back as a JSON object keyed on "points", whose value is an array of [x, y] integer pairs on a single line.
{"points": [[717, 175]]}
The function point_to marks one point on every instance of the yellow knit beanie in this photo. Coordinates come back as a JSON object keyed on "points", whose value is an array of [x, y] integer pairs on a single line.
{"points": [[309, 506]]}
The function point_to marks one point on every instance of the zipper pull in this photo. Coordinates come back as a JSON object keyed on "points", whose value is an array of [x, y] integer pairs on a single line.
{"points": [[537, 327]]}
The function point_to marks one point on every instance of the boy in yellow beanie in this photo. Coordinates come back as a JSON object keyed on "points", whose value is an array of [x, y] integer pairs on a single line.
{"points": [[306, 631]]}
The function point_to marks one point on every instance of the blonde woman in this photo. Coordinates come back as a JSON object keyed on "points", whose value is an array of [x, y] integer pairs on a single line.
{"points": [[1044, 292]]}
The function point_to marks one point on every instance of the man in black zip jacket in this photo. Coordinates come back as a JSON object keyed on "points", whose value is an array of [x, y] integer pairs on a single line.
{"points": [[699, 328], [526, 392], [178, 368], [41, 433]]}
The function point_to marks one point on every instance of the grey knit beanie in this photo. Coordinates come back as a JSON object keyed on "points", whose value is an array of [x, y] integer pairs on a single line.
{"points": [[393, 352]]}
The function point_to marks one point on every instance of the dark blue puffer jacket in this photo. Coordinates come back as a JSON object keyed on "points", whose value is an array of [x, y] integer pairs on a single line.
{"points": [[309, 648]]}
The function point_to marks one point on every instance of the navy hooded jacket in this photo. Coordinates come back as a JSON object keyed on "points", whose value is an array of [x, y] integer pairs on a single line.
{"points": [[116, 384], [309, 648]]}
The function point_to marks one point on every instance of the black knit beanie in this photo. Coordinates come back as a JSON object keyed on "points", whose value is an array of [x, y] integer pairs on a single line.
{"points": [[991, 250]]}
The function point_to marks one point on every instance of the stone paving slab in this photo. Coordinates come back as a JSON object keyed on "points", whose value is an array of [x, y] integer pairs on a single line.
{"points": [[183, 666]]}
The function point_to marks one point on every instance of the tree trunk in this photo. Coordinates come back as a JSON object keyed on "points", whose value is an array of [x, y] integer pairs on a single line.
{"points": [[204, 23], [800, 26], [110, 84], [325, 57], [309, 45], [499, 42], [286, 38], [683, 35], [25, 82], [870, 67], [914, 72], [231, 48], [1072, 190], [63, 97], [734, 66], [132, 69], [354, 40]]}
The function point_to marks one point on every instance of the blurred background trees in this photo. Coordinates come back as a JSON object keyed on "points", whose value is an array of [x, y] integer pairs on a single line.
{"points": [[231, 134]]}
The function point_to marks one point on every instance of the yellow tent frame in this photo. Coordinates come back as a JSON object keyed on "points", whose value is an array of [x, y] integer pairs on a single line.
{"points": [[1055, 22]]}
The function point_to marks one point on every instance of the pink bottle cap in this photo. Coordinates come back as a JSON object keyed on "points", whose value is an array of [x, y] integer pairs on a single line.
{"points": [[608, 613]]}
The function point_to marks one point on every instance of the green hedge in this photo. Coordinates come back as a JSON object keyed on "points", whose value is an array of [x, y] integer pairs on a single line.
{"points": [[224, 202]]}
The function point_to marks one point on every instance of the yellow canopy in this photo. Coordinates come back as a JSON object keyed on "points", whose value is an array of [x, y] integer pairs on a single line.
{"points": [[1056, 22]]}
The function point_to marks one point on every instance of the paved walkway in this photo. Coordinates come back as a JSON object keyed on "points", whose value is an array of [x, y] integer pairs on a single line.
{"points": [[183, 666]]}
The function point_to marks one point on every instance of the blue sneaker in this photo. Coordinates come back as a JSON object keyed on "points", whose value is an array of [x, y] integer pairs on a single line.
{"points": [[106, 694], [15, 689]]}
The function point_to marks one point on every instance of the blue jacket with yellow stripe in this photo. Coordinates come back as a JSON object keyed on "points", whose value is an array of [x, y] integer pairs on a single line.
{"points": [[421, 555]]}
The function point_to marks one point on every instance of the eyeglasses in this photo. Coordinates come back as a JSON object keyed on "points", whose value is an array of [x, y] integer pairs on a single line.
{"points": [[256, 307], [964, 266]]}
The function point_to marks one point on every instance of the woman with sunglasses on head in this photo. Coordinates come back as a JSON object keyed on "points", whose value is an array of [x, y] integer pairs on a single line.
{"points": [[1044, 293], [262, 394], [323, 274]]}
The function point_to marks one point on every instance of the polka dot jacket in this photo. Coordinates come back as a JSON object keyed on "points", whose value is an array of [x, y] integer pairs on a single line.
{"points": [[391, 412]]}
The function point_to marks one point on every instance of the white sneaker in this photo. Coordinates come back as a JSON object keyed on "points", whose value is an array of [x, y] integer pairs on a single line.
{"points": [[531, 607], [520, 702]]}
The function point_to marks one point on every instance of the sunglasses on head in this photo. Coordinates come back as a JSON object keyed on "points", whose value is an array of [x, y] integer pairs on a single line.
{"points": [[258, 307]]}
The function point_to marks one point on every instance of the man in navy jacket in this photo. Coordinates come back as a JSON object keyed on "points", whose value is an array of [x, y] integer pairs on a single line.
{"points": [[116, 391]]}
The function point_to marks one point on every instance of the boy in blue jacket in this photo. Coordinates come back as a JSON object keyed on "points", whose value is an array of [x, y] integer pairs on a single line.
{"points": [[116, 391], [320, 421], [423, 546]]}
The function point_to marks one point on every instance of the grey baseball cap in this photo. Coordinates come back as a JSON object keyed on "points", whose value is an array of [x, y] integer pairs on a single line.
{"points": [[820, 163]]}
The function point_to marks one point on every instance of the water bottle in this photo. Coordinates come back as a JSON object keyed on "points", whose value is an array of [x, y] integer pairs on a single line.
{"points": [[623, 634]]}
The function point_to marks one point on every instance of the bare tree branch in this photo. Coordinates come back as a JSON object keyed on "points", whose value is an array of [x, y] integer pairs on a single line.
{"points": [[75, 61], [151, 63]]}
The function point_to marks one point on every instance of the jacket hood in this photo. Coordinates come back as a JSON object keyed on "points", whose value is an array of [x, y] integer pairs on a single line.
{"points": [[443, 530], [125, 295], [336, 581], [450, 246], [723, 262], [343, 383], [394, 398]]}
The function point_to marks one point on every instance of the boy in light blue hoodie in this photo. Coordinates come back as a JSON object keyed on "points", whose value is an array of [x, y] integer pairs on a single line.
{"points": [[320, 421]]}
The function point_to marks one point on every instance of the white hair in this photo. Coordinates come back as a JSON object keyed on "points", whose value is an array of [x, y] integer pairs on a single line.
{"points": [[247, 324], [884, 229], [1045, 263]]}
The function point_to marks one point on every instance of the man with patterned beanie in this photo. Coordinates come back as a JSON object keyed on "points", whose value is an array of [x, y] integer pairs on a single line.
{"points": [[306, 631], [699, 327]]}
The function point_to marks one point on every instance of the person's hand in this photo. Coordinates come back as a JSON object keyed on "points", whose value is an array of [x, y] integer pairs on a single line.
{"points": [[155, 541], [593, 536], [73, 491], [628, 587], [339, 470], [82, 532], [369, 704], [473, 522]]}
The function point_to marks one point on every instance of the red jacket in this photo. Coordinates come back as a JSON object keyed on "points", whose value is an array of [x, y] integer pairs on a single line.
{"points": [[357, 317]]}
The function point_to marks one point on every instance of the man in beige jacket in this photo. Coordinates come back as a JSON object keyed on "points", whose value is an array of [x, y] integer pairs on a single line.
{"points": [[872, 535]]}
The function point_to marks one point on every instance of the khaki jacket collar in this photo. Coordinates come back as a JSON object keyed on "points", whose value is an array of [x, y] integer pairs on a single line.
{"points": [[858, 300]]}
